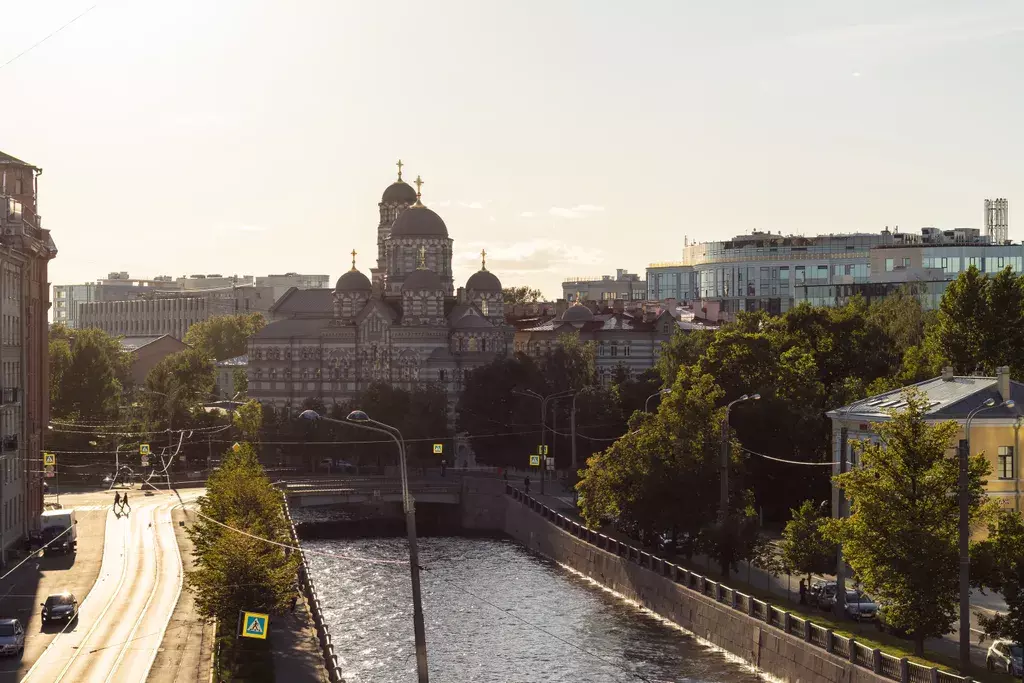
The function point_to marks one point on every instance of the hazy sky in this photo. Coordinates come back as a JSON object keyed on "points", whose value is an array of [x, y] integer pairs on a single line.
{"points": [[568, 138]]}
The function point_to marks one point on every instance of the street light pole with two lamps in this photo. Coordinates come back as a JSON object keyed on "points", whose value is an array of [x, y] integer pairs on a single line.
{"points": [[660, 392], [543, 421], [358, 418], [723, 503]]}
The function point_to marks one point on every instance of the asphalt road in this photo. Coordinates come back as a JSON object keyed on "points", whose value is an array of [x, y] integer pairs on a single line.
{"points": [[122, 620]]}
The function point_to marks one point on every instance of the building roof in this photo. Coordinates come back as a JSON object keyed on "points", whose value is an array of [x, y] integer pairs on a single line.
{"points": [[422, 279], [292, 327], [577, 313], [483, 281], [399, 192], [949, 399], [468, 319], [236, 362], [8, 159], [418, 221], [300, 302], [136, 343], [353, 281]]}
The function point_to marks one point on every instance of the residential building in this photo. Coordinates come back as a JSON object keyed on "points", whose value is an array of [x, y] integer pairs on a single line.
{"points": [[148, 352], [226, 369], [24, 350], [119, 286], [994, 431], [408, 326], [671, 280], [775, 273], [997, 220], [630, 341], [606, 288]]}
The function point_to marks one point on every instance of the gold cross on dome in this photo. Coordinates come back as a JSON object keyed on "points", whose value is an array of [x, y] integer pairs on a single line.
{"points": [[400, 164], [353, 259], [483, 259], [419, 183]]}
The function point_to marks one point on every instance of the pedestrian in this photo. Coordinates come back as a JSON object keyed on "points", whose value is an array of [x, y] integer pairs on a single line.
{"points": [[117, 501], [295, 599], [444, 466], [504, 474], [526, 484], [124, 503], [803, 592]]}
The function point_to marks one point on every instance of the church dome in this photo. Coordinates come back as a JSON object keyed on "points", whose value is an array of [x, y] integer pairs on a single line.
{"points": [[483, 281], [353, 281], [577, 313], [418, 221], [399, 192], [421, 278]]}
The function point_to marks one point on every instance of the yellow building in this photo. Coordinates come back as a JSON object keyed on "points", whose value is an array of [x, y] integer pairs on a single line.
{"points": [[994, 430]]}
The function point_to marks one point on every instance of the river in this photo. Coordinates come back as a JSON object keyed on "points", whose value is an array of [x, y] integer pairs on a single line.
{"points": [[495, 612]]}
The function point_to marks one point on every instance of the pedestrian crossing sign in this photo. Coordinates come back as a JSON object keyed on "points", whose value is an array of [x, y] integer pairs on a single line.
{"points": [[534, 461], [49, 459], [438, 449], [143, 449], [254, 625]]}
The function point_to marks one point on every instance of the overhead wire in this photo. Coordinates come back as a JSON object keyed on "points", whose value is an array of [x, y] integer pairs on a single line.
{"points": [[46, 38]]}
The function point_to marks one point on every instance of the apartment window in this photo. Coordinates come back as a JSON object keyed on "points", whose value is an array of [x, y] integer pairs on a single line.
{"points": [[614, 350], [906, 262], [625, 350], [1004, 468], [889, 265], [800, 274]]}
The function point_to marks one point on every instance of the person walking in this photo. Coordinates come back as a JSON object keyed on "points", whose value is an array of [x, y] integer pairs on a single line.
{"points": [[124, 503], [117, 501], [526, 485], [803, 592]]}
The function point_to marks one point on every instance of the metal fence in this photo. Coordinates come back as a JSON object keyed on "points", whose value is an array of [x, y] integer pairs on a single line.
{"points": [[323, 631], [887, 666]]}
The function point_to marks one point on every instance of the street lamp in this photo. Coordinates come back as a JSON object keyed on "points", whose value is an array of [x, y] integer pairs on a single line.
{"points": [[660, 392], [358, 418], [965, 531], [543, 421], [723, 503]]}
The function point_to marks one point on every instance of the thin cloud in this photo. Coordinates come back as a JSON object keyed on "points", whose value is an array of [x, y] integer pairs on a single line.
{"points": [[527, 214], [531, 256], [577, 211], [471, 205]]}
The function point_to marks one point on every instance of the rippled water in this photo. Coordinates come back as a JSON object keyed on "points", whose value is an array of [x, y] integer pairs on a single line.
{"points": [[495, 612]]}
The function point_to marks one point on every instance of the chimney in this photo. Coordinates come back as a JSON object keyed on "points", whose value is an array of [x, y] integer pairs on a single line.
{"points": [[1003, 382], [947, 373]]}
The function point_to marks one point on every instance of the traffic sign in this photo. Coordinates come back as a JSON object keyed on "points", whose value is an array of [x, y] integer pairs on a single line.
{"points": [[143, 449], [236, 447], [534, 461], [254, 625], [49, 459], [49, 472], [145, 461], [438, 448], [551, 463], [542, 450]]}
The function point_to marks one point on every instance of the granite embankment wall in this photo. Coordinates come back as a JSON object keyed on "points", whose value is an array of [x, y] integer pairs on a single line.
{"points": [[775, 642]]}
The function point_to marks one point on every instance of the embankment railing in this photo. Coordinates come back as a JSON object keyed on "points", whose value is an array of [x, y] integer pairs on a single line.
{"points": [[873, 659]]}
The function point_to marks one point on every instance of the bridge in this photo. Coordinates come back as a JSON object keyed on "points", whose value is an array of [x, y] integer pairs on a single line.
{"points": [[369, 490]]}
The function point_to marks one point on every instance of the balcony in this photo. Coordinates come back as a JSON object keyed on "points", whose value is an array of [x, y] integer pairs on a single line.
{"points": [[9, 443], [11, 395]]}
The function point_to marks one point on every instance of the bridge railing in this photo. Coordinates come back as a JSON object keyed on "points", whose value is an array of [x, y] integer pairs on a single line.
{"points": [[873, 659], [323, 631]]}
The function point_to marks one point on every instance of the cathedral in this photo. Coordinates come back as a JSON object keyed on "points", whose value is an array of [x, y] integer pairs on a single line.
{"points": [[407, 324]]}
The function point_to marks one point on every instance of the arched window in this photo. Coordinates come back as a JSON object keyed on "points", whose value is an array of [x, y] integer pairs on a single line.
{"points": [[472, 344], [483, 307]]}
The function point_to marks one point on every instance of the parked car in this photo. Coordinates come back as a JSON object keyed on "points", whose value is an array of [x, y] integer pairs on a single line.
{"points": [[12, 637], [60, 607], [1005, 655], [822, 594], [859, 606]]}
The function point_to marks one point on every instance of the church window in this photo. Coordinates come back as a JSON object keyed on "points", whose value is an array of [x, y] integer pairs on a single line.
{"points": [[625, 350], [483, 307], [441, 375], [614, 349], [483, 344], [472, 344]]}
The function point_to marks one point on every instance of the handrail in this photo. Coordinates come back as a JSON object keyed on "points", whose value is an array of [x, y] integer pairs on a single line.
{"points": [[881, 663]]}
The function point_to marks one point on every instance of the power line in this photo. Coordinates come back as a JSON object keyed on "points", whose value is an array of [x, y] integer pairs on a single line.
{"points": [[51, 35], [788, 462]]}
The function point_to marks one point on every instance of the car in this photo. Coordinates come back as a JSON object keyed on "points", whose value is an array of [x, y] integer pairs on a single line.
{"points": [[12, 637], [822, 594], [60, 607], [1006, 656], [860, 607]]}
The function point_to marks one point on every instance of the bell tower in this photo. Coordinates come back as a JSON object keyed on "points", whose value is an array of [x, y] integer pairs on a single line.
{"points": [[397, 197]]}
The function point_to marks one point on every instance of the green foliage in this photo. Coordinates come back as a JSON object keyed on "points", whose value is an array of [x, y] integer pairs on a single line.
{"points": [[224, 336], [521, 295], [997, 563], [901, 536], [89, 372], [804, 548], [1003, 324], [571, 364], [682, 350], [737, 538], [240, 380], [248, 419], [963, 307], [176, 387]]}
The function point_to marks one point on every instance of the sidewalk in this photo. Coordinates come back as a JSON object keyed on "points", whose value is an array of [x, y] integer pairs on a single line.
{"points": [[186, 652], [295, 647]]}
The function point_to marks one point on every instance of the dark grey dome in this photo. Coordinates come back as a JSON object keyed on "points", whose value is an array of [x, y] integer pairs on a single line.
{"points": [[483, 281], [418, 221], [353, 281], [421, 278], [577, 313], [399, 192]]}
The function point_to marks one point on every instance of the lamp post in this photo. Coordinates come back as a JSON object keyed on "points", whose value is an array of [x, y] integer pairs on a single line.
{"points": [[543, 422], [723, 503], [840, 606], [660, 392], [964, 453], [357, 418]]}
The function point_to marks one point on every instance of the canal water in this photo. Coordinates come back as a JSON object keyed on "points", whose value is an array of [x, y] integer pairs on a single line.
{"points": [[495, 612]]}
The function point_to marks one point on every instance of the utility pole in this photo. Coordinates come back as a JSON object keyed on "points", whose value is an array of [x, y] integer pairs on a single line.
{"points": [[963, 452], [543, 439]]}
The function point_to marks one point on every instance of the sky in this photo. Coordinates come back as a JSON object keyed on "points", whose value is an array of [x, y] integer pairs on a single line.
{"points": [[567, 137]]}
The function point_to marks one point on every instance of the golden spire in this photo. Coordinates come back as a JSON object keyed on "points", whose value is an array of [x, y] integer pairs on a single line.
{"points": [[423, 257], [483, 259], [577, 302], [419, 183], [400, 164], [353, 259]]}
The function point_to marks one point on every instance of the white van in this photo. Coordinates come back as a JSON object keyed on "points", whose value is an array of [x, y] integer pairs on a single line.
{"points": [[52, 523]]}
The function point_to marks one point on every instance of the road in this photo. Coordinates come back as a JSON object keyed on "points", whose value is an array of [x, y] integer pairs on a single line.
{"points": [[122, 620]]}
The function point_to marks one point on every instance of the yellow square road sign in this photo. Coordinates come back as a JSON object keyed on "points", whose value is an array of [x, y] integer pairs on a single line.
{"points": [[438, 448], [143, 449], [254, 625], [49, 459], [534, 461], [542, 450]]}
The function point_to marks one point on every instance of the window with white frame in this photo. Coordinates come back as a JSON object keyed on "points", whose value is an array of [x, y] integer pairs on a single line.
{"points": [[1004, 466]]}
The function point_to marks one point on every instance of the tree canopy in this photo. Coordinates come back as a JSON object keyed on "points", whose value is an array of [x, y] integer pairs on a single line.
{"points": [[521, 295], [88, 372], [997, 563], [224, 336]]}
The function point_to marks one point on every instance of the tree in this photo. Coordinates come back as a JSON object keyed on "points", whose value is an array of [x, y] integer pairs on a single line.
{"points": [[804, 548], [521, 295], [248, 419], [90, 366], [959, 332], [176, 386], [901, 538], [997, 563], [224, 336], [1003, 325], [240, 381]]}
